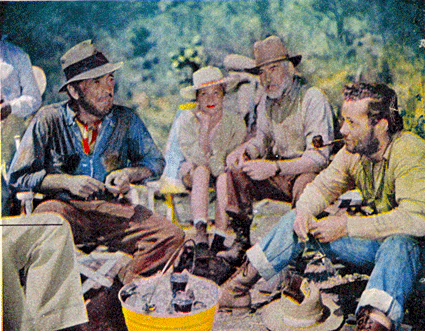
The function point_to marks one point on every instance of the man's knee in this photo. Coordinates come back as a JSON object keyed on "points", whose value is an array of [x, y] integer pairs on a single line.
{"points": [[401, 243], [52, 206], [178, 234]]}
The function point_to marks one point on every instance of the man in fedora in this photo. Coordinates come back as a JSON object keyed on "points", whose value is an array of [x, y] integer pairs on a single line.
{"points": [[280, 160], [387, 166], [84, 153]]}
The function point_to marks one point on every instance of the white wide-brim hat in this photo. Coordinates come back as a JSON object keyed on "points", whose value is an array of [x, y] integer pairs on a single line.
{"points": [[207, 77], [314, 313]]}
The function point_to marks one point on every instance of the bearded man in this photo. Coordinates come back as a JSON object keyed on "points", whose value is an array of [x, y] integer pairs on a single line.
{"points": [[387, 166], [280, 160], [84, 153]]}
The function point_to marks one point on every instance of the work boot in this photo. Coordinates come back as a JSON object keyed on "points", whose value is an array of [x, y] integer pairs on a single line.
{"points": [[241, 243], [217, 244], [235, 291], [201, 236], [372, 319]]}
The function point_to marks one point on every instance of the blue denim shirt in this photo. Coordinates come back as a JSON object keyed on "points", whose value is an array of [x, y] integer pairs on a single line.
{"points": [[52, 144]]}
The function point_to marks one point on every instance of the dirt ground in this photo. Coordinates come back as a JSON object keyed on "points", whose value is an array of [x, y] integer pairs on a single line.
{"points": [[266, 214]]}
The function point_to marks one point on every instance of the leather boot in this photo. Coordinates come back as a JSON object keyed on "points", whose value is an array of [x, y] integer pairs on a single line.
{"points": [[372, 319], [241, 243], [235, 291], [217, 244]]}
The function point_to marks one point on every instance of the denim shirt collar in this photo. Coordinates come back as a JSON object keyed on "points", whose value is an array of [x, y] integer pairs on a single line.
{"points": [[70, 116]]}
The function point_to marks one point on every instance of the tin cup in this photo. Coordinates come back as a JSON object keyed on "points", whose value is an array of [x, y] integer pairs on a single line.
{"points": [[178, 282], [182, 302]]}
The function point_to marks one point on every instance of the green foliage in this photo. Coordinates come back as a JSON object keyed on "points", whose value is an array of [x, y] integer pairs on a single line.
{"points": [[340, 40], [188, 59]]}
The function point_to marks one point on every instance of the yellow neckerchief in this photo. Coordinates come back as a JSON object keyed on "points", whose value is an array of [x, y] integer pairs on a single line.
{"points": [[89, 134]]}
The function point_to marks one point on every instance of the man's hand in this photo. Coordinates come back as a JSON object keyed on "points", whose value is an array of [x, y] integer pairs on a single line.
{"points": [[204, 119], [329, 228], [236, 158], [84, 186], [302, 225], [259, 169], [118, 182]]}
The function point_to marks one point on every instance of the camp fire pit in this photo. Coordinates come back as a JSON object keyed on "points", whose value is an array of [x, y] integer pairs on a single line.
{"points": [[172, 301]]}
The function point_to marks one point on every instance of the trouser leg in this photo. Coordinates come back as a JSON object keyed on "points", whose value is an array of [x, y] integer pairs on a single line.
{"points": [[83, 229], [242, 191], [394, 262], [153, 243], [52, 294], [279, 246], [150, 238], [239, 193]]}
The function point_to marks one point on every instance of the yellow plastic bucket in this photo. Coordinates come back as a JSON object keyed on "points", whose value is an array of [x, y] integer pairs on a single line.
{"points": [[201, 320]]}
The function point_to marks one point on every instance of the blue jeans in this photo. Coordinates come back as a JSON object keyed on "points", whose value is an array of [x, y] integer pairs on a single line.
{"points": [[394, 263]]}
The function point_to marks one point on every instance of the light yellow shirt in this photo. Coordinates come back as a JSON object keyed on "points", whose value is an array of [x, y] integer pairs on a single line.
{"points": [[394, 189], [231, 132]]}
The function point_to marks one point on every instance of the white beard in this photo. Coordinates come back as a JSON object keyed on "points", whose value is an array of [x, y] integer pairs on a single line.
{"points": [[286, 83]]}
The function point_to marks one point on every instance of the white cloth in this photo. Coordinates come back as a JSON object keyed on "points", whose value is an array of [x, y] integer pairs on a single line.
{"points": [[41, 245], [17, 82]]}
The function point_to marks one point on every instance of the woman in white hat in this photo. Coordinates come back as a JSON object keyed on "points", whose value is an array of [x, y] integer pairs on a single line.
{"points": [[208, 134]]}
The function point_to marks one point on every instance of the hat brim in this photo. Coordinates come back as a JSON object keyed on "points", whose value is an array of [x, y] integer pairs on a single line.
{"points": [[190, 91], [294, 59], [273, 317], [93, 73], [236, 62]]}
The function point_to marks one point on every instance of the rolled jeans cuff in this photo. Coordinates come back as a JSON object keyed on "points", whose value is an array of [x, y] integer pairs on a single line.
{"points": [[259, 260], [382, 301]]}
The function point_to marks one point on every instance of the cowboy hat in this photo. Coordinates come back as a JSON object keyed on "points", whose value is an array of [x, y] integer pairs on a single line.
{"points": [[207, 77], [238, 62], [272, 50], [84, 61], [313, 313]]}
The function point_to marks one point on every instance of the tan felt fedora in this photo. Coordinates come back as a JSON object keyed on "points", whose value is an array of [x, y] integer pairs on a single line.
{"points": [[314, 313], [84, 61], [272, 50]]}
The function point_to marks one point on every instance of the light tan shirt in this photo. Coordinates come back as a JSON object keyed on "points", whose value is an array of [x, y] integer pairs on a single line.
{"points": [[394, 188], [230, 133], [286, 127]]}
